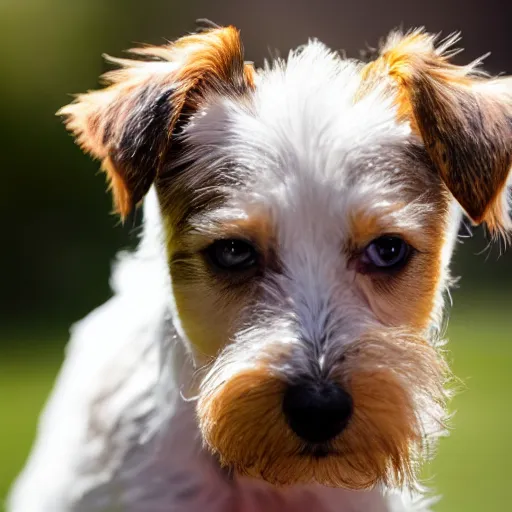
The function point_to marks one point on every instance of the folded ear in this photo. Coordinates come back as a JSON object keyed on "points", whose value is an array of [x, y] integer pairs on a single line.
{"points": [[463, 116], [129, 124]]}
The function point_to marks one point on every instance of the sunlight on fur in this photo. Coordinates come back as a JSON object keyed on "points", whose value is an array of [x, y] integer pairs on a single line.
{"points": [[397, 381], [280, 319]]}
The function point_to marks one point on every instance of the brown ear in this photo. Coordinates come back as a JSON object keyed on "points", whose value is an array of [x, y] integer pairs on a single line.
{"points": [[463, 117], [129, 124]]}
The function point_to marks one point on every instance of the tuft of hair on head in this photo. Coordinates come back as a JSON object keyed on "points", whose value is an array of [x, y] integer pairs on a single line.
{"points": [[130, 124], [462, 115]]}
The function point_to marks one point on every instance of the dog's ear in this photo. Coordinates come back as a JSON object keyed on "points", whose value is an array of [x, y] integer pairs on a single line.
{"points": [[129, 124], [463, 116]]}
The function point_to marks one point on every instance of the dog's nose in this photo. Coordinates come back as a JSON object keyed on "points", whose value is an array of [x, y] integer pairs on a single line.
{"points": [[317, 411]]}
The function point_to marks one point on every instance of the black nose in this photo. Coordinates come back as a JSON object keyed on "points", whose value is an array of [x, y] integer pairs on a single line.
{"points": [[317, 411]]}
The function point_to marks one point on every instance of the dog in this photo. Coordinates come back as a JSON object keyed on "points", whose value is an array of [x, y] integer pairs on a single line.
{"points": [[275, 342]]}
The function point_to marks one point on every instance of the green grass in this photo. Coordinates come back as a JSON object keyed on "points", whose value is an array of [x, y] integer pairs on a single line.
{"points": [[24, 386], [473, 466]]}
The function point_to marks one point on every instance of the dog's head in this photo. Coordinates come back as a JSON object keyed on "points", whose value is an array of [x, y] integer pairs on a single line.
{"points": [[310, 210]]}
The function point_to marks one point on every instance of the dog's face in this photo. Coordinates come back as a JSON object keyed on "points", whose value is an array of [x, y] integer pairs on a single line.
{"points": [[310, 211]]}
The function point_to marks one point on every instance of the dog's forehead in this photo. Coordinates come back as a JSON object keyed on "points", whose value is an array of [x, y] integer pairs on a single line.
{"points": [[303, 141]]}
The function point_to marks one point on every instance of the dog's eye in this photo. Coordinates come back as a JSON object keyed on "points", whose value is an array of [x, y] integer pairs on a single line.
{"points": [[232, 254], [386, 252]]}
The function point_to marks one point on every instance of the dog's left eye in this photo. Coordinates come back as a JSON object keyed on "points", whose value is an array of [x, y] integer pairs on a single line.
{"points": [[386, 252], [232, 254]]}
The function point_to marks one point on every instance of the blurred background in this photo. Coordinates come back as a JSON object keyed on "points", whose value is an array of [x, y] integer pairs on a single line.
{"points": [[59, 238]]}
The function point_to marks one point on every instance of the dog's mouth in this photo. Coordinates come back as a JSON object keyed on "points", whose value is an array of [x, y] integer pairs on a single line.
{"points": [[319, 451]]}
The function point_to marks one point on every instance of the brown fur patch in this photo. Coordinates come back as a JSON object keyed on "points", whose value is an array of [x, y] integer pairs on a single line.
{"points": [[132, 120], [241, 419], [418, 215], [465, 124], [385, 436], [367, 225], [211, 306], [407, 297], [120, 192]]}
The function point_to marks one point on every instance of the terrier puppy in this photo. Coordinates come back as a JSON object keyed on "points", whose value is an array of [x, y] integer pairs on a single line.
{"points": [[274, 343]]}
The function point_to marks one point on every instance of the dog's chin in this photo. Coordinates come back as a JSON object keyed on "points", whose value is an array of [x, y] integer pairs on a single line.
{"points": [[319, 466], [242, 423]]}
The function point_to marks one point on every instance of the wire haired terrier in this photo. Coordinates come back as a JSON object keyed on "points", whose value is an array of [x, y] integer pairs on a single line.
{"points": [[274, 342]]}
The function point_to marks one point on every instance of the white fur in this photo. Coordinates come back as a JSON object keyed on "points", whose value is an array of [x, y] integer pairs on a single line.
{"points": [[298, 145], [98, 448], [117, 433]]}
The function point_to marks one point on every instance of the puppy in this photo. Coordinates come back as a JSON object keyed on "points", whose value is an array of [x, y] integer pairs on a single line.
{"points": [[274, 343]]}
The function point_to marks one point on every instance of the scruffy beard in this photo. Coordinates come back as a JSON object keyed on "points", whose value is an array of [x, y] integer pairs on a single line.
{"points": [[397, 382]]}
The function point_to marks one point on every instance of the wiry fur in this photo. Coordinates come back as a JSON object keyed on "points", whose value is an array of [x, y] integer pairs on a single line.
{"points": [[128, 125], [399, 406], [171, 394], [463, 117]]}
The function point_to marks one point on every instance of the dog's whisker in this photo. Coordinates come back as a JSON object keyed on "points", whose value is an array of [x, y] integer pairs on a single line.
{"points": [[188, 399]]}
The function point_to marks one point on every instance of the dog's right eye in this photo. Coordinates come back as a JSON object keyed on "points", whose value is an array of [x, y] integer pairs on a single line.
{"points": [[386, 253], [232, 255]]}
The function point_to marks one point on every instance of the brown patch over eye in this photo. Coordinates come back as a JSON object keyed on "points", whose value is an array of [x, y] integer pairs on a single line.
{"points": [[405, 297], [397, 262], [215, 268]]}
